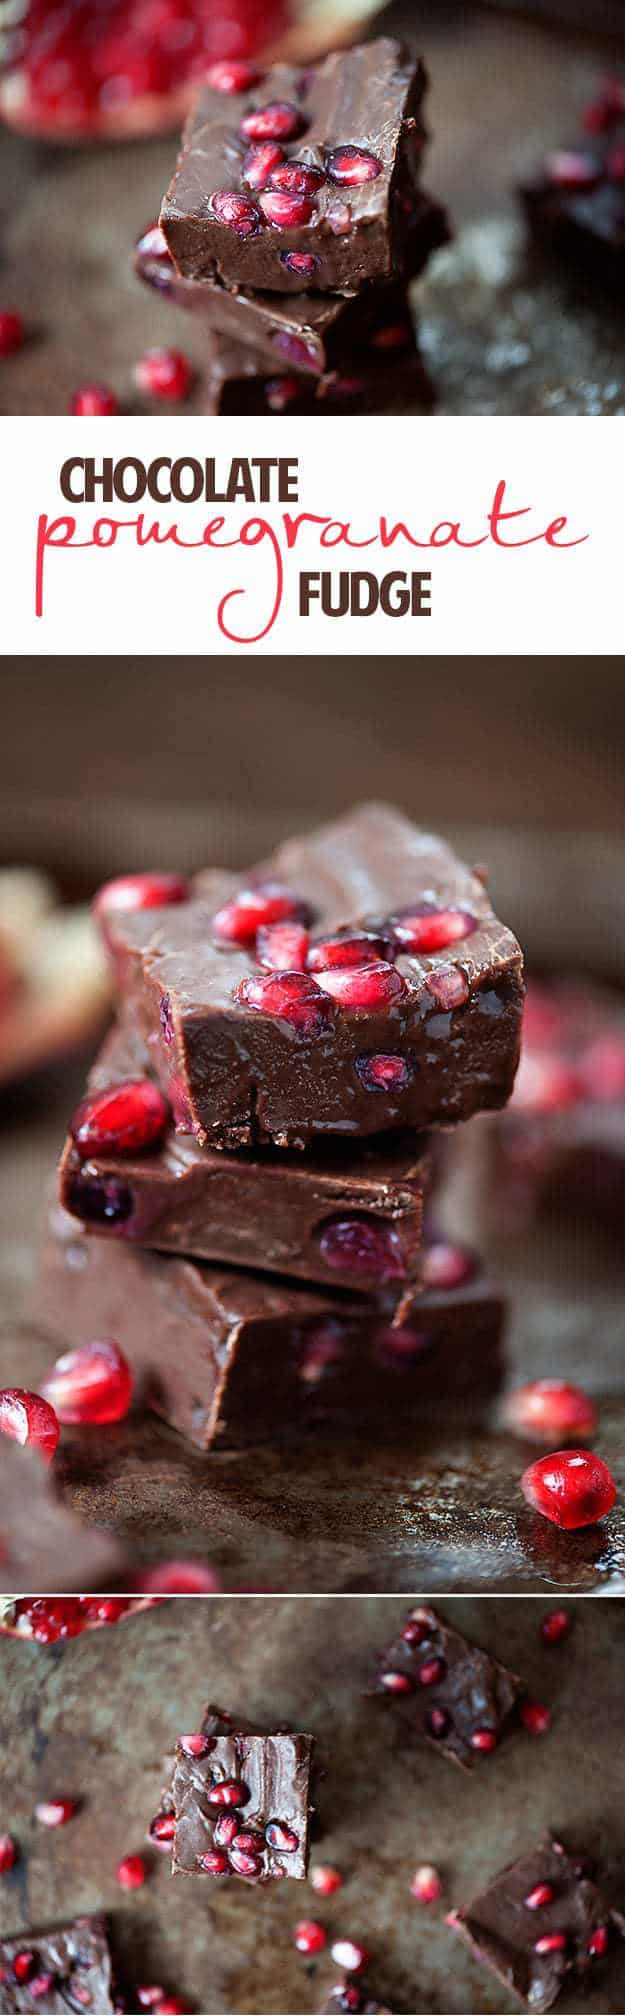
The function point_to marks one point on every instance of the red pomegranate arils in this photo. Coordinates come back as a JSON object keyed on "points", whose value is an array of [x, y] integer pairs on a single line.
{"points": [[282, 948], [551, 1942], [215, 1862], [12, 332], [397, 1683], [91, 1386], [446, 1266], [275, 121], [94, 401], [571, 1488], [231, 78], [598, 1942], [285, 211], [228, 1792], [291, 997], [572, 170], [309, 1936], [281, 1837], [195, 1745], [535, 1717], [430, 929], [252, 909], [431, 1672], [362, 949], [24, 1965], [362, 1246], [370, 989], [165, 375], [55, 1812], [348, 1955], [258, 163], [325, 1879], [556, 1626], [153, 890], [539, 1897], [351, 165], [126, 1119], [161, 1831], [8, 1853], [426, 1884], [551, 1410], [28, 1419], [181, 1578], [381, 1073], [131, 1872], [483, 1739]]}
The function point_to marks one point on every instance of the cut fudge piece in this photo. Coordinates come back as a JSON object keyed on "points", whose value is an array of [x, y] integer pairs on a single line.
{"points": [[67, 1968], [351, 1218], [351, 1997], [306, 179], [576, 202], [241, 1802], [541, 1920], [445, 1689], [234, 384], [43, 1546], [561, 1141], [405, 1010], [308, 333], [233, 1359]]}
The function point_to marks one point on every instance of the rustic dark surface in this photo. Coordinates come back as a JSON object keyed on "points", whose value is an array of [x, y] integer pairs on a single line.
{"points": [[500, 333], [92, 1720]]}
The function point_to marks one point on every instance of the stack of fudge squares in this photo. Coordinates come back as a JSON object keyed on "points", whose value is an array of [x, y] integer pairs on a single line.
{"points": [[293, 226], [256, 1147]]}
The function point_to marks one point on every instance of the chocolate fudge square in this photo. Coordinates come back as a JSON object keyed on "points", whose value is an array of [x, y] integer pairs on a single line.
{"points": [[423, 1032], [234, 384], [576, 202], [51, 1972], [44, 1547], [351, 1218], [306, 179], [310, 334], [540, 1922], [241, 1802], [445, 1689], [233, 1359]]}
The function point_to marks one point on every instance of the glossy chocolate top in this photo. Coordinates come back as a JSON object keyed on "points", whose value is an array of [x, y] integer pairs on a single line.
{"points": [[269, 1779], [453, 1693], [76, 1958], [506, 1932]]}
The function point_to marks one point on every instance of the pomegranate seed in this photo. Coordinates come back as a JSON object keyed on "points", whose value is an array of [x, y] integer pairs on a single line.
{"points": [[229, 1792], [598, 1942], [601, 1068], [282, 1838], [449, 988], [282, 947], [439, 1722], [100, 1200], [300, 178], [348, 1955], [447, 1266], [29, 1420], [249, 1840], [431, 1672], [237, 213], [572, 170], [215, 1863], [226, 1829], [302, 355], [40, 1985], [258, 163], [285, 212], [483, 1739], [542, 1085], [347, 165], [426, 1884], [131, 1872], [282, 392], [309, 1936], [414, 1631], [551, 1411], [8, 1853], [195, 1745], [535, 1717], [123, 1120], [361, 1246], [366, 987], [397, 1683], [164, 374], [232, 78], [55, 1812], [291, 997], [555, 1626], [90, 1386], [276, 121], [302, 263], [379, 1073], [391, 336], [149, 1998], [571, 1488], [162, 1829], [344, 952], [24, 1966], [251, 909], [325, 1880], [245, 1864], [551, 1942], [539, 1897], [605, 109], [12, 332], [172, 2006], [93, 401], [151, 891], [428, 929], [180, 1578]]}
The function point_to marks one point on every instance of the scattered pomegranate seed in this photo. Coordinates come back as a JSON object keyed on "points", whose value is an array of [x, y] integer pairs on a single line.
{"points": [[282, 1838], [601, 1067], [571, 1488], [551, 1942], [29, 1420], [56, 1812], [362, 1246], [282, 947], [94, 401], [370, 988], [164, 374], [149, 1998], [397, 1683], [153, 890], [258, 162], [362, 950], [40, 1985], [439, 1722], [8, 1853], [535, 1717], [195, 1745], [181, 1578], [172, 2006], [24, 1966], [215, 1862], [12, 332], [572, 170], [483, 1739], [284, 211], [302, 263], [347, 165], [427, 929], [309, 1936], [238, 213], [426, 1884], [432, 1670], [90, 1386], [276, 121], [252, 909], [379, 1073], [598, 1942], [447, 1266], [550, 1411], [291, 997], [325, 1879], [232, 77], [131, 1872], [539, 1897], [348, 1955], [543, 1085], [48, 1619], [229, 1792], [555, 1626], [414, 1631]]}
